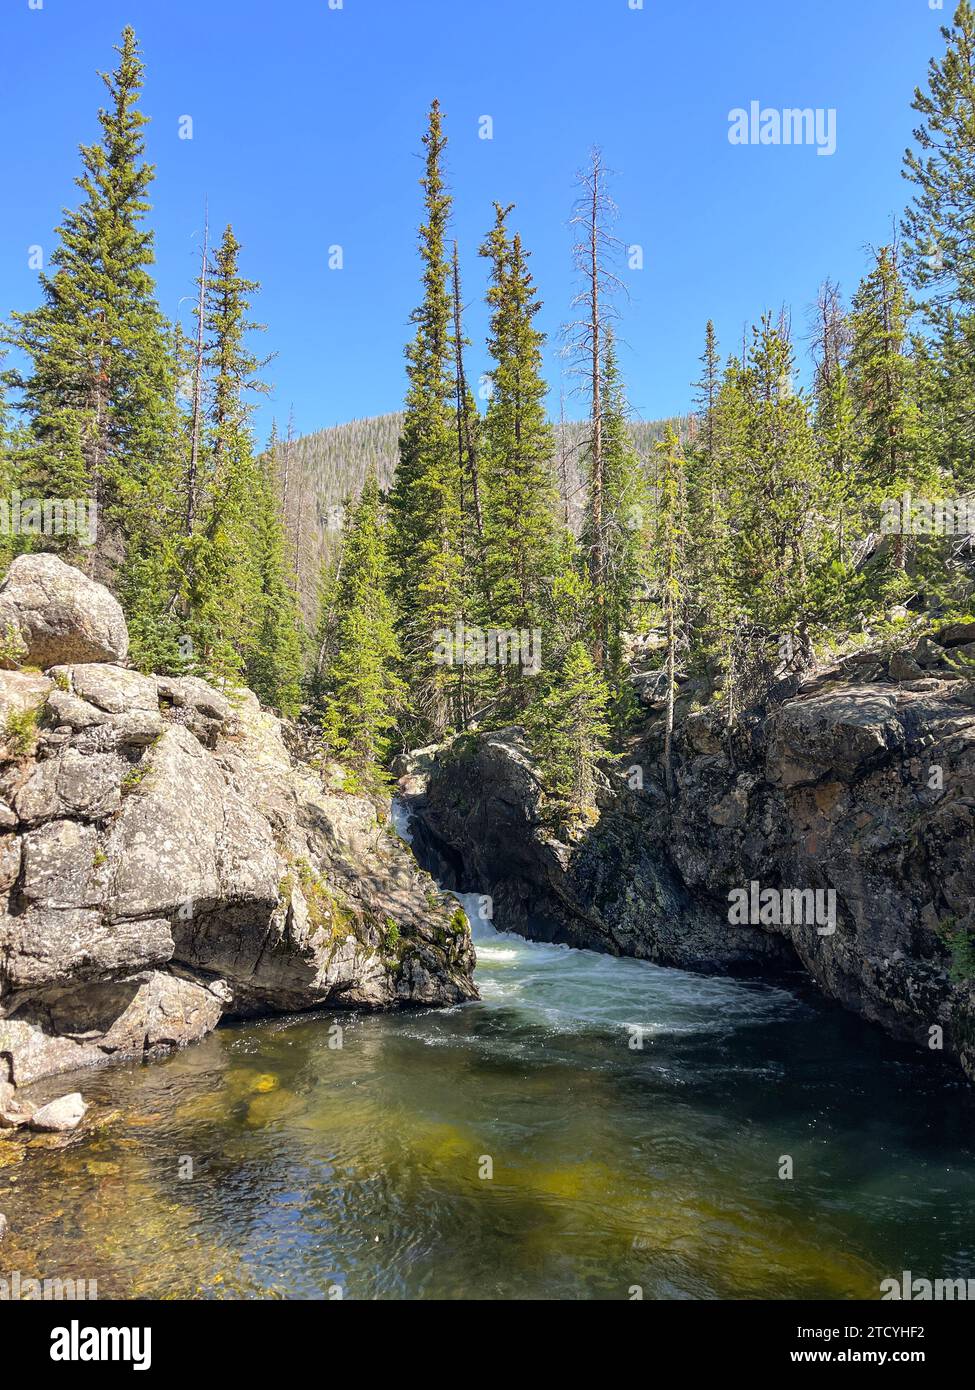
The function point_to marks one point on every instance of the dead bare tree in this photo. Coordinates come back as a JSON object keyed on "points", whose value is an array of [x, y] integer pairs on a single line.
{"points": [[192, 478], [466, 446], [286, 480], [595, 251]]}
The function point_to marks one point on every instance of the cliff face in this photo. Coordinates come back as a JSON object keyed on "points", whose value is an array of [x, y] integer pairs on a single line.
{"points": [[165, 861], [858, 786]]}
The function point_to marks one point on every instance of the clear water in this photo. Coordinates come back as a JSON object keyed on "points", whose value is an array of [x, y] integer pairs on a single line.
{"points": [[520, 1147]]}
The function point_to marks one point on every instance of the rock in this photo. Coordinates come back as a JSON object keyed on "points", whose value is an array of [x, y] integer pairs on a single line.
{"points": [[3, 1225], [903, 667], [58, 866], [196, 705], [841, 735], [927, 653], [412, 769], [59, 614], [957, 634], [189, 692], [138, 1015], [833, 792], [14, 1113], [71, 784], [21, 691], [166, 861], [60, 1115], [69, 711], [10, 858], [110, 688], [481, 827]]}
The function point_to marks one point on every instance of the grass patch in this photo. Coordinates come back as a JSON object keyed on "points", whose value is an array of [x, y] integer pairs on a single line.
{"points": [[133, 779], [21, 732], [958, 939]]}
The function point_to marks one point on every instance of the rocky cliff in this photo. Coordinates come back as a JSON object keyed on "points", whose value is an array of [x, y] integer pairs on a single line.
{"points": [[166, 862], [858, 785]]}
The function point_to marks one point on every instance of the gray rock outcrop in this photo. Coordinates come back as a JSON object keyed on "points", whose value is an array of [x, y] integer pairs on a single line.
{"points": [[165, 862], [863, 790]]}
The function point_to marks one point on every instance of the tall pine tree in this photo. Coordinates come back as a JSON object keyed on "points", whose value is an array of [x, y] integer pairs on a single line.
{"points": [[425, 501]]}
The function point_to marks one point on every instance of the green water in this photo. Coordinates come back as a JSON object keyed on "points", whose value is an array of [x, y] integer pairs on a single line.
{"points": [[362, 1168]]}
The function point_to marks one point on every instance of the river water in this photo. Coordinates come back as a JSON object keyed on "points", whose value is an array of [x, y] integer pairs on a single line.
{"points": [[593, 1128]]}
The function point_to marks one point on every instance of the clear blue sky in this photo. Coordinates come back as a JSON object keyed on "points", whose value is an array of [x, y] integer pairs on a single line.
{"points": [[307, 125]]}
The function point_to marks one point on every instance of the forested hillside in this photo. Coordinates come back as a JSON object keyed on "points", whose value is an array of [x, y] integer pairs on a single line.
{"points": [[493, 566], [321, 473]]}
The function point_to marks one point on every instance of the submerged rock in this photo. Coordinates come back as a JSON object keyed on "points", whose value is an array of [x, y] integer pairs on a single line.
{"points": [[60, 1115], [166, 861]]}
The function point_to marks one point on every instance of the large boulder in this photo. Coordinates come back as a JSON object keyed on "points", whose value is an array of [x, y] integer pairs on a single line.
{"points": [[166, 861], [50, 612]]}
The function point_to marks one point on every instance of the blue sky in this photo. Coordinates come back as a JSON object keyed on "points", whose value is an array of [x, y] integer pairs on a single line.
{"points": [[306, 130]]}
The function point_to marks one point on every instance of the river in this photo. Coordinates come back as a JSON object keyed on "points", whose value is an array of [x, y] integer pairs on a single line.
{"points": [[593, 1128]]}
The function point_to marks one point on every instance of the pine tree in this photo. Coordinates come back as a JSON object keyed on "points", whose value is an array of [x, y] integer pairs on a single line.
{"points": [[568, 728], [939, 250], [835, 422], [100, 393], [670, 556], [938, 225], [241, 606], [518, 482], [362, 690], [274, 658], [425, 501], [9, 542], [885, 389], [709, 465], [626, 532]]}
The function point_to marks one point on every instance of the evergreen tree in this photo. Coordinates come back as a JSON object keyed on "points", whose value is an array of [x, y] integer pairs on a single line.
{"points": [[239, 594], [938, 225], [626, 522], [516, 461], [593, 255], [709, 464], [362, 690], [100, 393], [882, 374], [428, 558], [940, 249], [274, 659], [670, 555], [568, 729], [773, 491], [835, 422]]}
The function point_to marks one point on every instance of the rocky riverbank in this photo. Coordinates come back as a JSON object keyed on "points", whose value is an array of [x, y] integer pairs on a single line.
{"points": [[166, 862], [858, 784]]}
